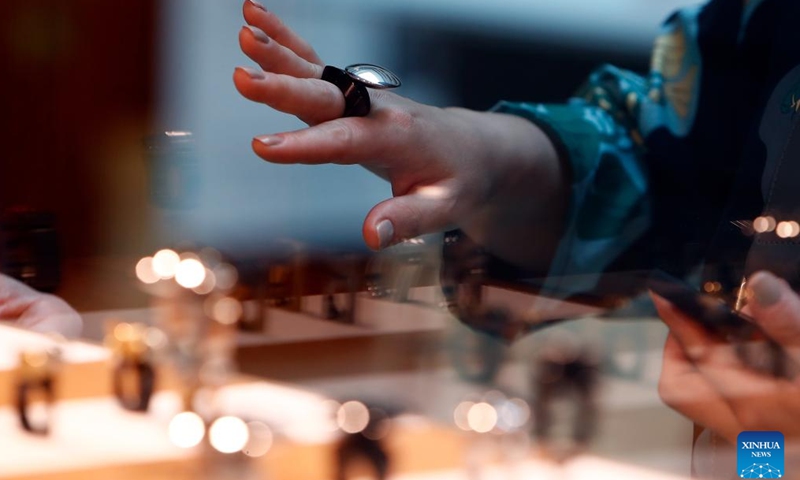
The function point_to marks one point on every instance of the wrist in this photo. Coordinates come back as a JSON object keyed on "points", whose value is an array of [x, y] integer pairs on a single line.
{"points": [[521, 217]]}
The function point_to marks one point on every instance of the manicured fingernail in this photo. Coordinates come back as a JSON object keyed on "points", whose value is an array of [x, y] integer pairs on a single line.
{"points": [[385, 233], [257, 5], [253, 73], [258, 33], [766, 288], [269, 140]]}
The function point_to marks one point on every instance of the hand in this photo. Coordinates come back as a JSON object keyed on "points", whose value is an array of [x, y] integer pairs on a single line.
{"points": [[36, 311], [703, 377], [496, 176]]}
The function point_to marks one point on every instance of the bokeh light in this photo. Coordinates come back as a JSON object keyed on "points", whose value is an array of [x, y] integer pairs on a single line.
{"points": [[460, 415], [145, 272], [226, 276], [155, 338], [788, 229], [482, 417], [712, 287], [186, 430], [190, 273], [513, 414], [208, 285], [764, 224], [226, 310], [260, 439], [228, 434], [165, 263], [352, 417]]}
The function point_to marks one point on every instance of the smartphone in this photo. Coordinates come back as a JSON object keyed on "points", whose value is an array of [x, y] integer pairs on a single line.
{"points": [[713, 313], [754, 348]]}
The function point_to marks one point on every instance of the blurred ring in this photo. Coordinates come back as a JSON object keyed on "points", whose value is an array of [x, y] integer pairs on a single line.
{"points": [[23, 399], [36, 371], [145, 379]]}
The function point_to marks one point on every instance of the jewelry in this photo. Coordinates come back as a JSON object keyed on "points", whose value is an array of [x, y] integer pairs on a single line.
{"points": [[353, 82], [133, 366], [36, 372]]}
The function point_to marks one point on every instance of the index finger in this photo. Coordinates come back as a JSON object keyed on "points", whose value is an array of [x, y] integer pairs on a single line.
{"points": [[776, 309], [257, 15]]}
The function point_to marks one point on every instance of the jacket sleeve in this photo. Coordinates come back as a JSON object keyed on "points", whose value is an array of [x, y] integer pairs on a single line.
{"points": [[602, 135]]}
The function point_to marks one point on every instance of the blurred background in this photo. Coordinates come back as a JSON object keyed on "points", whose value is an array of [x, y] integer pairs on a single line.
{"points": [[86, 83]]}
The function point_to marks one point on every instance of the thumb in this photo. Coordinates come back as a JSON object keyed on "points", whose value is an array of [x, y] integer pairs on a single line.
{"points": [[426, 210]]}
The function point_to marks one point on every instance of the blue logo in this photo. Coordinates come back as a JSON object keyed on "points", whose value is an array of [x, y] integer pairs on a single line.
{"points": [[760, 455]]}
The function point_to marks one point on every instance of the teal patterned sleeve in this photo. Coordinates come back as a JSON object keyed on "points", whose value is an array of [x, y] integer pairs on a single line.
{"points": [[597, 132], [602, 135]]}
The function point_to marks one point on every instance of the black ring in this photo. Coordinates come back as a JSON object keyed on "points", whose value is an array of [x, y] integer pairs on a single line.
{"points": [[146, 380], [356, 96], [23, 389]]}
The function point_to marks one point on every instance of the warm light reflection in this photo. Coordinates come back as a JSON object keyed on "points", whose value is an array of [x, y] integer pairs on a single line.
{"points": [[123, 332], [226, 310], [764, 224], [228, 434], [155, 338], [177, 133], [165, 262], [209, 282], [788, 229], [186, 430], [352, 417], [712, 287], [460, 415], [433, 192], [226, 276], [482, 417], [145, 272], [190, 273], [260, 439]]}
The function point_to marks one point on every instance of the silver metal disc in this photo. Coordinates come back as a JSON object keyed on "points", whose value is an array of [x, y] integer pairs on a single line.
{"points": [[373, 76]]}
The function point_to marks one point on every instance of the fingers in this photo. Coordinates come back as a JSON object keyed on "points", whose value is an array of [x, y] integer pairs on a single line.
{"points": [[776, 309], [752, 397], [257, 15], [692, 337], [381, 140], [274, 57], [37, 311], [313, 101], [425, 210], [685, 390]]}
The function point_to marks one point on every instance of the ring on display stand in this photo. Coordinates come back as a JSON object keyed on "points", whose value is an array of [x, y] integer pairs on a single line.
{"points": [[571, 373], [353, 82], [145, 375], [133, 366], [36, 376]]}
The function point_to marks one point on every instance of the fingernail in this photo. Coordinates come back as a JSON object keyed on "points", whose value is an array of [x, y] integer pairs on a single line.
{"points": [[385, 233], [766, 288], [258, 33], [257, 5], [269, 140], [253, 73]]}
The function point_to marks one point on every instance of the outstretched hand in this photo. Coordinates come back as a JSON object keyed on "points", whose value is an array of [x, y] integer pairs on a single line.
{"points": [[496, 176], [41, 312]]}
